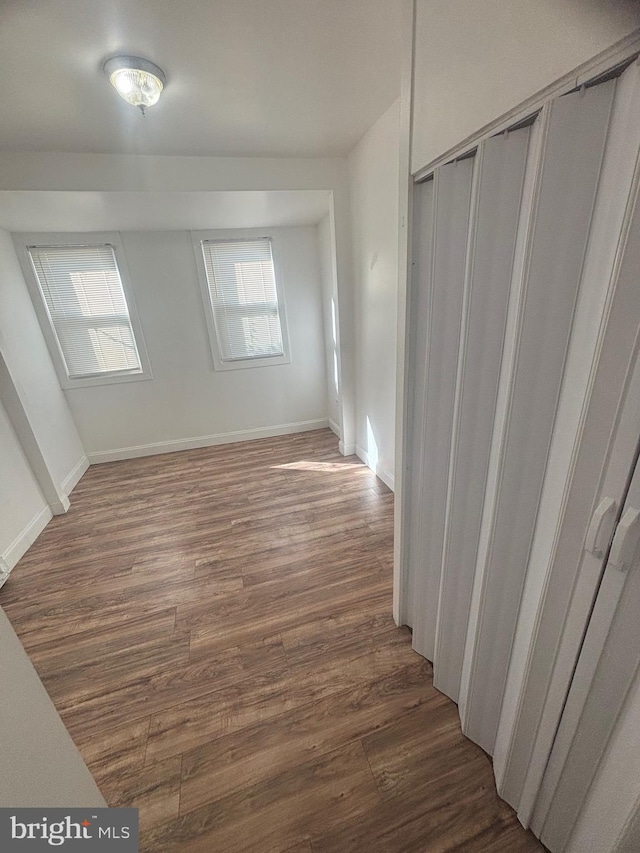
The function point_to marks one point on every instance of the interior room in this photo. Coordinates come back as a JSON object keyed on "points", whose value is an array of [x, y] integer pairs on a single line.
{"points": [[319, 393]]}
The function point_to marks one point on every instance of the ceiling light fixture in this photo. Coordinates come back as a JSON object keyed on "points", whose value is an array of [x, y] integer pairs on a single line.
{"points": [[137, 80]]}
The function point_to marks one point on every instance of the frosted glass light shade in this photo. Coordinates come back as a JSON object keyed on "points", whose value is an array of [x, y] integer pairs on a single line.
{"points": [[137, 80]]}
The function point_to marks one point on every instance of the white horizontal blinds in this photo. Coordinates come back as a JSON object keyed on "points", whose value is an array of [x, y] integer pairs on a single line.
{"points": [[244, 299], [82, 289]]}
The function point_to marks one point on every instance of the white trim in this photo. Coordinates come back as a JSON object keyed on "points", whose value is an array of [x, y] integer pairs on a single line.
{"points": [[380, 473], [4, 571], [27, 537], [12, 397], [593, 68], [346, 449], [333, 426], [114, 239], [339, 211], [386, 478], [176, 445], [418, 319], [73, 478], [405, 230], [60, 507]]}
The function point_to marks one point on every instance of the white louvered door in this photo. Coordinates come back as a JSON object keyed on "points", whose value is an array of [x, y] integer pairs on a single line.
{"points": [[516, 262]]}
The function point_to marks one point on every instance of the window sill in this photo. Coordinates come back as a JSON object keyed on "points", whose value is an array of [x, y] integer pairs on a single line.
{"points": [[108, 379], [245, 363]]}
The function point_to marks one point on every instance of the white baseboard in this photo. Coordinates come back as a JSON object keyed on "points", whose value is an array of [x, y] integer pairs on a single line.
{"points": [[204, 441], [346, 449], [333, 426], [4, 571], [26, 538], [386, 478], [71, 480], [61, 506], [383, 475]]}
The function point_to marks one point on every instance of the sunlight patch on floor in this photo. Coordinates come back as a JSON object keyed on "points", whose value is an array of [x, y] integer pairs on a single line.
{"points": [[328, 467]]}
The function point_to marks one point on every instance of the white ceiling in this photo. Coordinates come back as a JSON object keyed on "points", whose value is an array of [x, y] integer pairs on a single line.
{"points": [[244, 77], [159, 211]]}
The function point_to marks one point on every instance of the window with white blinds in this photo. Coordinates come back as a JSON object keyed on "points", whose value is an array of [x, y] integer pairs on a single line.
{"points": [[243, 297], [86, 304]]}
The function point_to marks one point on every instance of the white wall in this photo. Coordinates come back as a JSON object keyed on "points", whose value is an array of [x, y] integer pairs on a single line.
{"points": [[41, 766], [187, 402], [23, 509], [475, 61], [374, 187], [39, 170], [27, 360], [329, 302], [113, 173]]}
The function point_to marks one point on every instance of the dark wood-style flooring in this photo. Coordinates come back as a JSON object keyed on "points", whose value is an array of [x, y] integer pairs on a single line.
{"points": [[214, 627]]}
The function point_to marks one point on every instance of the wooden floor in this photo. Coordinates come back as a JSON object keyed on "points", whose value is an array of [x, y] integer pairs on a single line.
{"points": [[214, 627]]}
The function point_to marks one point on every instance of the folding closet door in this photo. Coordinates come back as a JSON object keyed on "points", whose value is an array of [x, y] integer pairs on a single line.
{"points": [[605, 674], [604, 680], [465, 221], [443, 282], [573, 134], [417, 333], [499, 243], [496, 195], [525, 287], [601, 565], [578, 476]]}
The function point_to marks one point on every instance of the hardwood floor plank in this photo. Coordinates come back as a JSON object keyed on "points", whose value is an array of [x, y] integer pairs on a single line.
{"points": [[136, 596], [75, 683], [209, 717], [420, 758], [115, 704], [112, 753], [214, 627], [61, 653], [334, 790], [153, 790], [256, 753], [155, 689], [247, 616]]}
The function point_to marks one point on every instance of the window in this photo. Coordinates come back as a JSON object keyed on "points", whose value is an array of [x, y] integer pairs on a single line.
{"points": [[87, 318], [243, 304]]}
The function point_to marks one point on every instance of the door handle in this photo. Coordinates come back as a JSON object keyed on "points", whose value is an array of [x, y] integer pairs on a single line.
{"points": [[600, 528], [625, 541]]}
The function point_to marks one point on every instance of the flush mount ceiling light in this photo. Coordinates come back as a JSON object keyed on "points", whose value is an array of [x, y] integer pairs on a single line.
{"points": [[137, 80]]}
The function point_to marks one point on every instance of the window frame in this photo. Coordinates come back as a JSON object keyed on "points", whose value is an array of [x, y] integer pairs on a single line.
{"points": [[239, 236], [22, 242]]}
